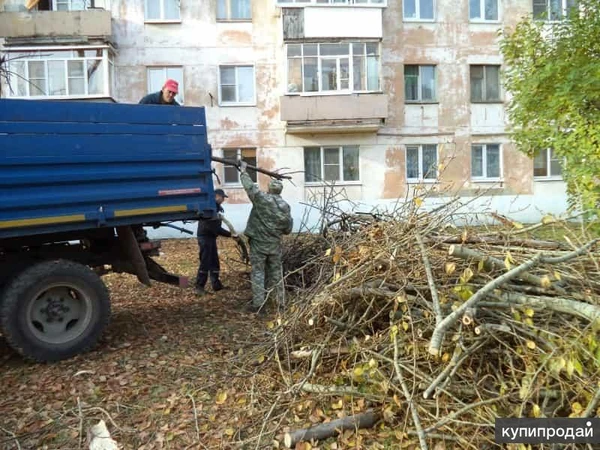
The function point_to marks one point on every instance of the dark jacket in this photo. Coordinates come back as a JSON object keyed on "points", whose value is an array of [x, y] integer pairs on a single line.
{"points": [[212, 227], [156, 99]]}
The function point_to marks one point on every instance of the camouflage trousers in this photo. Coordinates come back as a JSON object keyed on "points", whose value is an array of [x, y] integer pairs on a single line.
{"points": [[267, 274]]}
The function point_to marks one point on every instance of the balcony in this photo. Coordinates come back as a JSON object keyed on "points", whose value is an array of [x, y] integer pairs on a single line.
{"points": [[334, 113], [93, 23]]}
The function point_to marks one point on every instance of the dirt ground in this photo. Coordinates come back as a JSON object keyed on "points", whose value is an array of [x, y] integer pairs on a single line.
{"points": [[166, 374]]}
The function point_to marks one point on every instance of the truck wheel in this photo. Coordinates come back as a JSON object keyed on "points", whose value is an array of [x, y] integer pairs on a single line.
{"points": [[54, 310]]}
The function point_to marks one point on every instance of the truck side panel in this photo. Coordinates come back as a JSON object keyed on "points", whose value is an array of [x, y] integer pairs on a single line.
{"points": [[67, 165]]}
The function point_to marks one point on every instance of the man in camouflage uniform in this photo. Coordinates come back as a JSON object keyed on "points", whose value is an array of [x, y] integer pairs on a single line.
{"points": [[269, 220]]}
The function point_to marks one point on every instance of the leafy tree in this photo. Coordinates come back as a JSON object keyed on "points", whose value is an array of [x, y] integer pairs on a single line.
{"points": [[553, 76]]}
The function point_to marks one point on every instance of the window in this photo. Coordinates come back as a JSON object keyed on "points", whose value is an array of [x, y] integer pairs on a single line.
{"points": [[234, 10], [347, 67], [552, 9], [421, 162], [72, 73], [158, 75], [331, 164], [333, 2], [485, 83], [162, 10], [236, 85], [483, 10], [418, 9], [486, 161], [547, 165], [419, 83], [230, 174]]}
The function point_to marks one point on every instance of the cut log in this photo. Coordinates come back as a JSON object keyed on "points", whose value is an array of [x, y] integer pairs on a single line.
{"points": [[326, 430], [490, 263]]}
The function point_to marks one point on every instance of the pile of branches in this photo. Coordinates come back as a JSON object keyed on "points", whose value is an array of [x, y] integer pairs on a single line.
{"points": [[416, 325]]}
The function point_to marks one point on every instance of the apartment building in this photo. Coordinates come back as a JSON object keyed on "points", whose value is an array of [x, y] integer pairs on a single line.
{"points": [[379, 97]]}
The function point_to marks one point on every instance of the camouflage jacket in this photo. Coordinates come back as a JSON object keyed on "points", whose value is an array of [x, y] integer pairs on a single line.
{"points": [[270, 217]]}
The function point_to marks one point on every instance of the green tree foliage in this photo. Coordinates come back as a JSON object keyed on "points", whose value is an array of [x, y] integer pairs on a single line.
{"points": [[553, 76]]}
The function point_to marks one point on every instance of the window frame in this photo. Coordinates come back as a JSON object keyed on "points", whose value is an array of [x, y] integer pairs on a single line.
{"points": [[549, 159], [36, 53], [180, 97], [420, 178], [418, 11], [350, 56], [482, 18], [419, 78], [229, 18], [236, 103], [485, 177], [563, 11], [329, 3], [484, 89], [161, 19], [240, 154], [322, 180]]}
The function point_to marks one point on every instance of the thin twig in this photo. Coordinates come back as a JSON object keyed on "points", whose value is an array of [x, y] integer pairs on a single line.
{"points": [[80, 423], [195, 416], [409, 398], [591, 407], [430, 280], [13, 437]]}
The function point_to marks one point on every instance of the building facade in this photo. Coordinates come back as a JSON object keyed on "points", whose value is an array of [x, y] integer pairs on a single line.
{"points": [[381, 98]]}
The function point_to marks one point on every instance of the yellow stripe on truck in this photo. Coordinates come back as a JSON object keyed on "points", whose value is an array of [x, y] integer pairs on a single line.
{"points": [[42, 221], [145, 211]]}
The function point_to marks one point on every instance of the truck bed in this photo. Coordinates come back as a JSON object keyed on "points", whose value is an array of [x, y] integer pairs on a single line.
{"points": [[72, 166]]}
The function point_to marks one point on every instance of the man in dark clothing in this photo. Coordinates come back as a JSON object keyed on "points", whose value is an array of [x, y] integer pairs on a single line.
{"points": [[166, 96], [208, 230]]}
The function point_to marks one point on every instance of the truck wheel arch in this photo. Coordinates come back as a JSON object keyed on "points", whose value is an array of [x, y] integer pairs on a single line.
{"points": [[54, 310]]}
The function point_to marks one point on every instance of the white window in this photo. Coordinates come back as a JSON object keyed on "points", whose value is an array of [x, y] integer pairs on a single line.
{"points": [[162, 11], [419, 83], [331, 164], [234, 10], [158, 75], [333, 2], [485, 84], [230, 174], [421, 163], [486, 162], [346, 67], [75, 73], [418, 9], [236, 85], [547, 165], [552, 9], [483, 10]]}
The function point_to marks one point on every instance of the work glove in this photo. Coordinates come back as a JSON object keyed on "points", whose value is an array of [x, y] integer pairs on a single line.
{"points": [[243, 165]]}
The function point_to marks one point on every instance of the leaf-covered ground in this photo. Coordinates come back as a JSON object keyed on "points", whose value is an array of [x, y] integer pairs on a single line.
{"points": [[166, 374]]}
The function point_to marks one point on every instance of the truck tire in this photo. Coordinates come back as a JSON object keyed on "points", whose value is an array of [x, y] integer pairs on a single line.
{"points": [[54, 310]]}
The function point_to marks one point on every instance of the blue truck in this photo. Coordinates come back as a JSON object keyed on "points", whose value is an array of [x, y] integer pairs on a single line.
{"points": [[78, 182]]}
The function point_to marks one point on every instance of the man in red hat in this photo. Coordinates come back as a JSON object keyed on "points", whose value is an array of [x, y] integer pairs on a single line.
{"points": [[166, 96]]}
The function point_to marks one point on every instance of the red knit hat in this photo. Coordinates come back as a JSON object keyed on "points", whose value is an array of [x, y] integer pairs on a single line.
{"points": [[172, 86]]}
